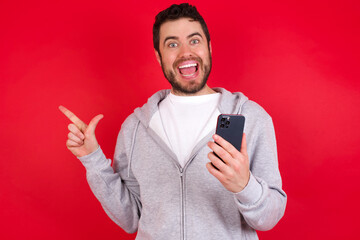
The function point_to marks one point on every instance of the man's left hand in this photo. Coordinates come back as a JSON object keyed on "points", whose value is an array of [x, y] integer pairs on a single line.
{"points": [[233, 171]]}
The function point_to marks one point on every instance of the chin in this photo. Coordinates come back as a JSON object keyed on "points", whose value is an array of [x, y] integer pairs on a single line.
{"points": [[188, 88]]}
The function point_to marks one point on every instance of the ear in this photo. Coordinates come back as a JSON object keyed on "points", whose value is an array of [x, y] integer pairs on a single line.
{"points": [[210, 49], [158, 58]]}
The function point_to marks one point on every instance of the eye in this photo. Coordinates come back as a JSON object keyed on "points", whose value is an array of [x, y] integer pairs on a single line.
{"points": [[194, 41], [172, 45]]}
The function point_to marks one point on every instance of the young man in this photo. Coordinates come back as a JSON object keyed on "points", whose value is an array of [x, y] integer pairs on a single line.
{"points": [[162, 184]]}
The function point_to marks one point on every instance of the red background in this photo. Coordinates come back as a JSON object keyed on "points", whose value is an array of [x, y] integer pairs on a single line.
{"points": [[298, 59]]}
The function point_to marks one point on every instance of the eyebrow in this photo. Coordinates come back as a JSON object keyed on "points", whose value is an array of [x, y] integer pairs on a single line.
{"points": [[194, 34], [176, 38]]}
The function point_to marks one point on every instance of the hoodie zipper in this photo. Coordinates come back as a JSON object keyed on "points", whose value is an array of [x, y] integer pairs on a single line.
{"points": [[182, 224], [182, 183]]}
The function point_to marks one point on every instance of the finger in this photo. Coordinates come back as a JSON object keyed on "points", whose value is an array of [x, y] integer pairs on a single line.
{"points": [[93, 123], [73, 118], [226, 145], [220, 152], [70, 143], [213, 171], [217, 162], [76, 131], [75, 138], [243, 148]]}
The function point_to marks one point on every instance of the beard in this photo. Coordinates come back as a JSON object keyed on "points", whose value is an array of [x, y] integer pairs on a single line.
{"points": [[190, 87]]}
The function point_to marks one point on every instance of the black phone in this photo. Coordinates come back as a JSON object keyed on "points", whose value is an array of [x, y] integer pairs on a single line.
{"points": [[231, 128]]}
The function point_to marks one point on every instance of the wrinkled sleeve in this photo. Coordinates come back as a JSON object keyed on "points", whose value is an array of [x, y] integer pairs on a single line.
{"points": [[262, 202], [115, 187]]}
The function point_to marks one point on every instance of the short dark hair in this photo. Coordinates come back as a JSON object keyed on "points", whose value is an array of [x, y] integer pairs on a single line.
{"points": [[174, 12]]}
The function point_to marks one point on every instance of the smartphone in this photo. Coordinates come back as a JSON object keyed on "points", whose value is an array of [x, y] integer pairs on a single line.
{"points": [[231, 128]]}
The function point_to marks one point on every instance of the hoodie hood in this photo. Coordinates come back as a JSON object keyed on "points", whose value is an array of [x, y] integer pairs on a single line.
{"points": [[230, 103]]}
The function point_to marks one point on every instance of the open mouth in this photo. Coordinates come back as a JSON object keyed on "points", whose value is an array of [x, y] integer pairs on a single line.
{"points": [[188, 69]]}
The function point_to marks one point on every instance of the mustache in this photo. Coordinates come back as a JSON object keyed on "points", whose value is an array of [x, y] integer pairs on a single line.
{"points": [[180, 60]]}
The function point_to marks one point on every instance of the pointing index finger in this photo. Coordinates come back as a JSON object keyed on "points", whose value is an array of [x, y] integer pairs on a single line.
{"points": [[73, 118]]}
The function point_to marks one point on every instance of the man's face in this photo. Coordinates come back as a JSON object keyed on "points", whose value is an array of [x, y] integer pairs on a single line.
{"points": [[185, 56]]}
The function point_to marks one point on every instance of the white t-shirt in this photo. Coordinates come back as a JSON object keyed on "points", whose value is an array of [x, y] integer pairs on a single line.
{"points": [[182, 121]]}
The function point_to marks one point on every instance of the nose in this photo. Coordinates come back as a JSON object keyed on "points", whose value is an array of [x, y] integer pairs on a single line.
{"points": [[185, 51]]}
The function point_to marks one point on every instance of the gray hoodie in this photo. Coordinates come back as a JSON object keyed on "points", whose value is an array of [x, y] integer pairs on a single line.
{"points": [[148, 191]]}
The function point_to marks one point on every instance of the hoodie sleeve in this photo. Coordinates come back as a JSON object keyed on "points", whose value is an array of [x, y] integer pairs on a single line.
{"points": [[115, 187], [262, 202]]}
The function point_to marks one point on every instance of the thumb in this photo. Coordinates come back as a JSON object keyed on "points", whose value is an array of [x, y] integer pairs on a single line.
{"points": [[243, 145], [93, 123]]}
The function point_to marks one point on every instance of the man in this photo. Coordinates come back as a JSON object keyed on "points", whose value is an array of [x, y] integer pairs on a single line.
{"points": [[162, 184]]}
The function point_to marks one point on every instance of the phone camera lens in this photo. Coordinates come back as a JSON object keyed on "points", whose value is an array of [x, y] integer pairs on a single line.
{"points": [[222, 125]]}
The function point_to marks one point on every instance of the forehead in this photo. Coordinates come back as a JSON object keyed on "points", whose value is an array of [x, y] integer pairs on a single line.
{"points": [[180, 28]]}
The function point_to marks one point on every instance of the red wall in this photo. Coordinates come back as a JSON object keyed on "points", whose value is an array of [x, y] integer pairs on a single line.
{"points": [[299, 60]]}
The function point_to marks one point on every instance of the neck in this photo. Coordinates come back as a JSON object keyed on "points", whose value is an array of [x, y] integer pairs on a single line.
{"points": [[205, 90]]}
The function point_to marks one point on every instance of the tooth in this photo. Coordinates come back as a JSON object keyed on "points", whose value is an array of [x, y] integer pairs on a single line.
{"points": [[188, 75], [188, 65]]}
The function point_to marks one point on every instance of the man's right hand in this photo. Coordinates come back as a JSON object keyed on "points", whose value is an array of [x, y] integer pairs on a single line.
{"points": [[81, 138]]}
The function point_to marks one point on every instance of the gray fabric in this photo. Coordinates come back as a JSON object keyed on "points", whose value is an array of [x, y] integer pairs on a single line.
{"points": [[147, 191]]}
